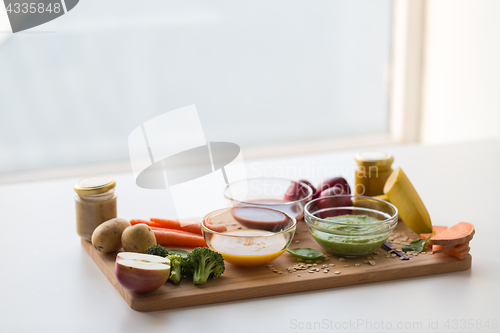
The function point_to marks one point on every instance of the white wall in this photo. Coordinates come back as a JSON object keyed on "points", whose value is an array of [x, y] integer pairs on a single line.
{"points": [[462, 71]]}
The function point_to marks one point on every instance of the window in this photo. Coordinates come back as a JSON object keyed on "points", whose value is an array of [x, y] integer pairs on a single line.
{"points": [[261, 73]]}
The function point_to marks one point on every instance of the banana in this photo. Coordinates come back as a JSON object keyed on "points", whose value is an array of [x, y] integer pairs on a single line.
{"points": [[381, 197], [403, 195]]}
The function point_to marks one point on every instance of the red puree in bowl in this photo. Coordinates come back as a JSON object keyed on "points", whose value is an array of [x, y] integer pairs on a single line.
{"points": [[260, 218]]}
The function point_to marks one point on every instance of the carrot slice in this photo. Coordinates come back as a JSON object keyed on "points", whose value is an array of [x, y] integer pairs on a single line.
{"points": [[167, 237], [441, 248], [436, 228], [453, 249], [458, 234], [461, 247], [459, 255], [194, 227]]}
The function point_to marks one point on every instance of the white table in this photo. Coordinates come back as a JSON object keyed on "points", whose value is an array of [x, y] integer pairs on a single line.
{"points": [[50, 284]]}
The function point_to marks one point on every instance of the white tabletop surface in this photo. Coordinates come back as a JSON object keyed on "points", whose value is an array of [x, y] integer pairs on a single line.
{"points": [[50, 284]]}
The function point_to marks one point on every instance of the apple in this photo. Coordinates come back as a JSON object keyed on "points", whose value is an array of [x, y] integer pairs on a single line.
{"points": [[141, 273], [315, 191], [332, 182], [298, 190], [334, 197], [336, 190]]}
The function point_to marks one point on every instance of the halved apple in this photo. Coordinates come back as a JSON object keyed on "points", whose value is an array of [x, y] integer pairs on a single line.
{"points": [[141, 273]]}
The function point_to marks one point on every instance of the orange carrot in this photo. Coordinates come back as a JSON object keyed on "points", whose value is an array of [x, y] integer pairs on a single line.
{"points": [[174, 230], [176, 238], [151, 224], [216, 228], [194, 227]]}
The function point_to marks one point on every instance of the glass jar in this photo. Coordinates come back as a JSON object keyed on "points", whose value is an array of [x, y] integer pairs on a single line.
{"points": [[95, 203], [374, 167]]}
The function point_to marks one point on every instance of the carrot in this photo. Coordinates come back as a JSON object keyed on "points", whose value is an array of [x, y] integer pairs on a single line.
{"points": [[174, 230], [176, 238], [216, 228], [149, 223], [458, 234], [194, 227]]}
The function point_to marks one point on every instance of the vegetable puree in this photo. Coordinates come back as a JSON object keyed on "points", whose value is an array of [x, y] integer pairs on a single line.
{"points": [[95, 203], [251, 250], [343, 241], [258, 218]]}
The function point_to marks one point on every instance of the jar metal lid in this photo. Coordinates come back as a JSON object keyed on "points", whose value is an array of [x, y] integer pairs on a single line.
{"points": [[94, 185], [374, 158]]}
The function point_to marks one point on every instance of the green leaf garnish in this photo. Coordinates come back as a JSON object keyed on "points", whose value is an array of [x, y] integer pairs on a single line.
{"points": [[182, 253], [418, 245], [306, 253]]}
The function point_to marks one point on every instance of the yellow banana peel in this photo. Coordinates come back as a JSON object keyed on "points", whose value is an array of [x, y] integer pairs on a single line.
{"points": [[403, 195]]}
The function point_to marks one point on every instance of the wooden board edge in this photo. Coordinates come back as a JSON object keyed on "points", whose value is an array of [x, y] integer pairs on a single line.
{"points": [[150, 303], [107, 272], [146, 304]]}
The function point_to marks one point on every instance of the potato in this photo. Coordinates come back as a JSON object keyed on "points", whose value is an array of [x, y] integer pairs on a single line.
{"points": [[138, 238], [107, 237]]}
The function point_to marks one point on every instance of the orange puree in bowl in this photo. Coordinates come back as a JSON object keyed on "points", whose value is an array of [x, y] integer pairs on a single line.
{"points": [[251, 250]]}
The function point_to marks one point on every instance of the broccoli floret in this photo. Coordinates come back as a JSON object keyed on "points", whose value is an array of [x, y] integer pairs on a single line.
{"points": [[202, 263], [176, 263], [157, 250]]}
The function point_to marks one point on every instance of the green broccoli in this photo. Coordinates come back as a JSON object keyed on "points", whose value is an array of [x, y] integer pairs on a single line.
{"points": [[176, 263], [203, 262], [157, 250]]}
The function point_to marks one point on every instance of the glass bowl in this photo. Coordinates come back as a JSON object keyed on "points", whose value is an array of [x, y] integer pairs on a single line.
{"points": [[349, 225], [286, 195], [254, 235]]}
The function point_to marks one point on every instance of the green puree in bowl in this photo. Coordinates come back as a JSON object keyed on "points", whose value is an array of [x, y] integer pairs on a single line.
{"points": [[343, 239]]}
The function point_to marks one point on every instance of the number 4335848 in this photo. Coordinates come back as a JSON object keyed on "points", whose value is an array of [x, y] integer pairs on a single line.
{"points": [[476, 324], [33, 7]]}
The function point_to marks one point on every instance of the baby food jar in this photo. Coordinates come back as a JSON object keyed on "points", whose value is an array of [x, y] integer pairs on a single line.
{"points": [[374, 167], [95, 203]]}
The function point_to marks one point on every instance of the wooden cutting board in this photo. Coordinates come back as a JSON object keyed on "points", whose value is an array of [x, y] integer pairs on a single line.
{"points": [[249, 282]]}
